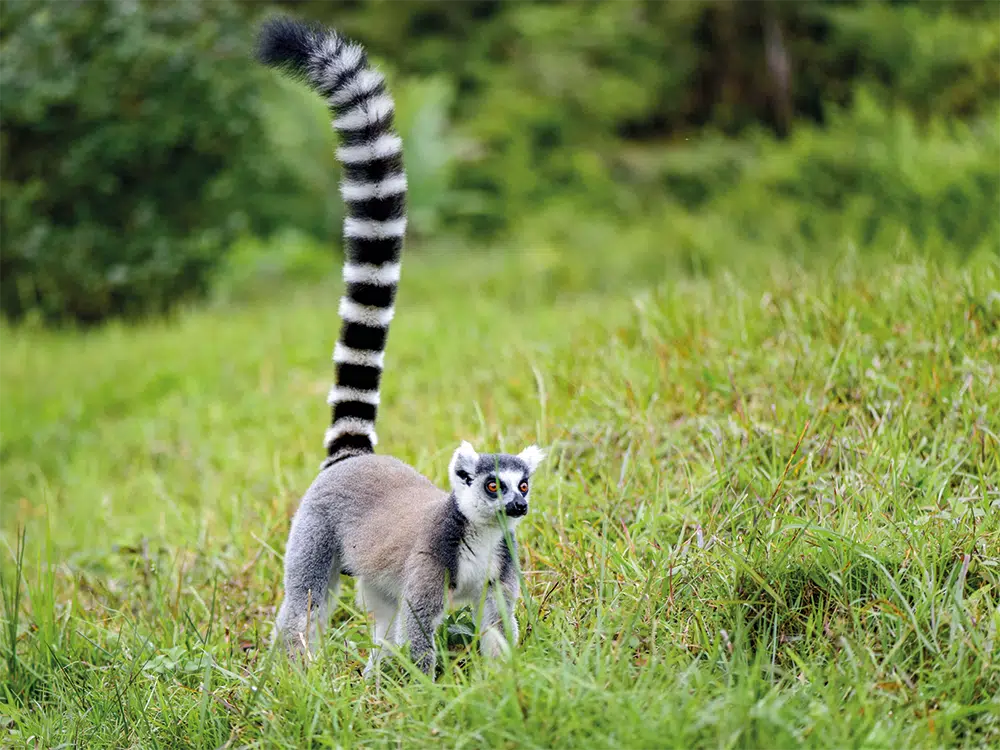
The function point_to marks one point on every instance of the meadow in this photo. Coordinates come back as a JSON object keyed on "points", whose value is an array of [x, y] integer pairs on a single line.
{"points": [[769, 517]]}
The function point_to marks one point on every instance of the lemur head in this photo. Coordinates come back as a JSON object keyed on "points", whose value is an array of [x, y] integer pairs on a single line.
{"points": [[484, 485]]}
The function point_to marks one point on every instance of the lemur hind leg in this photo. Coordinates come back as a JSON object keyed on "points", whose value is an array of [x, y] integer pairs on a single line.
{"points": [[312, 566]]}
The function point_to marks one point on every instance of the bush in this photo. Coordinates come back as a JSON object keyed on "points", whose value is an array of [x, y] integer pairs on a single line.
{"points": [[877, 172], [549, 96], [873, 177], [126, 129], [139, 139]]}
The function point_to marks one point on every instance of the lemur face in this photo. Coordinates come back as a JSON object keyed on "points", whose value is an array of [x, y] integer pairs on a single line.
{"points": [[491, 486]]}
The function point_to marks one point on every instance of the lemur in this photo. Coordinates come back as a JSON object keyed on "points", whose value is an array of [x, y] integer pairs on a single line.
{"points": [[414, 548]]}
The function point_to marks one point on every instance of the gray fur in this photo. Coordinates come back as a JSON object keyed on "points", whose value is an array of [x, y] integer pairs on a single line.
{"points": [[415, 549]]}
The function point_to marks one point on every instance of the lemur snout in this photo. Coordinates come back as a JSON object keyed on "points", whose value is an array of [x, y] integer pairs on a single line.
{"points": [[517, 508]]}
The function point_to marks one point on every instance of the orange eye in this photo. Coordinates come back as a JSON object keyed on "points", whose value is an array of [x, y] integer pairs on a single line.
{"points": [[524, 488], [491, 487]]}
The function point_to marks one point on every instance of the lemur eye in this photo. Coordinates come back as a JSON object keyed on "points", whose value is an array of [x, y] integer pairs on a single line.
{"points": [[491, 487], [523, 487]]}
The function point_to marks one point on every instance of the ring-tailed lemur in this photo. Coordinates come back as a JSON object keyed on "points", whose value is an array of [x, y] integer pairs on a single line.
{"points": [[413, 547]]}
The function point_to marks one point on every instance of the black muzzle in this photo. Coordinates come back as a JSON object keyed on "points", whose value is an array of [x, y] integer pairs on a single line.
{"points": [[517, 508]]}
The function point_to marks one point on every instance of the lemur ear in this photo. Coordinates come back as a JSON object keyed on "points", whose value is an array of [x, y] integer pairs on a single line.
{"points": [[532, 455], [463, 464]]}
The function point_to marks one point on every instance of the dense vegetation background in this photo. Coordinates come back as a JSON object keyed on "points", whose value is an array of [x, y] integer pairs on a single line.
{"points": [[736, 265], [141, 145]]}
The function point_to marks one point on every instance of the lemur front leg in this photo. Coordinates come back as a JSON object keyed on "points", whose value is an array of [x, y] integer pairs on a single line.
{"points": [[386, 612], [422, 611], [498, 611]]}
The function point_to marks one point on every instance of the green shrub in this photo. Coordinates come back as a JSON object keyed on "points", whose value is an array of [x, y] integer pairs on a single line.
{"points": [[873, 176], [130, 133], [935, 58], [552, 98], [139, 139]]}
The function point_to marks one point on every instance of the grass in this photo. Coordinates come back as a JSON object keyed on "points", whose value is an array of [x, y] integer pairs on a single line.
{"points": [[770, 517]]}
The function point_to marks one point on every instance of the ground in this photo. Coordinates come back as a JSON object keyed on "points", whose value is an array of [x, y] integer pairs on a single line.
{"points": [[769, 519]]}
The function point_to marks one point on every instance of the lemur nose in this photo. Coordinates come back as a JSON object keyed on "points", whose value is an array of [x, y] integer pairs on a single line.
{"points": [[517, 508]]}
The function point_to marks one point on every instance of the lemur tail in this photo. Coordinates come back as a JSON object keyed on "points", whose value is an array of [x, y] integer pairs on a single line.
{"points": [[374, 192]]}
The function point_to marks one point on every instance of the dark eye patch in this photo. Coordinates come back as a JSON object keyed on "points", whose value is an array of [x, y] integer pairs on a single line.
{"points": [[501, 486]]}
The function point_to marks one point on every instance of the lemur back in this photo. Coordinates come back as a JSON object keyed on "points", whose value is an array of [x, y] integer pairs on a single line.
{"points": [[410, 545]]}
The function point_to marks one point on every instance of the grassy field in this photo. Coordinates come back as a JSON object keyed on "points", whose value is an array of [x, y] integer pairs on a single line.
{"points": [[771, 517]]}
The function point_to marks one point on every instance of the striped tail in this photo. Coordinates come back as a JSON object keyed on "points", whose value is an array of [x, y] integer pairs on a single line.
{"points": [[374, 192]]}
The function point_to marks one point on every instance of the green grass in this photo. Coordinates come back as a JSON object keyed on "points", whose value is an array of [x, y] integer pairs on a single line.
{"points": [[770, 518]]}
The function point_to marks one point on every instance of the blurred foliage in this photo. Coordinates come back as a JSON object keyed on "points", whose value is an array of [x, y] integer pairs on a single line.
{"points": [[138, 140], [870, 172], [549, 94], [130, 136]]}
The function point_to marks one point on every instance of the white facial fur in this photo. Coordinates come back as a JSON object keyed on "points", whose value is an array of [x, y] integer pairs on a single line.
{"points": [[468, 481]]}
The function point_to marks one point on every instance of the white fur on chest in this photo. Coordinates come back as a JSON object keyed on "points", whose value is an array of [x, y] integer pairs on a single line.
{"points": [[478, 562]]}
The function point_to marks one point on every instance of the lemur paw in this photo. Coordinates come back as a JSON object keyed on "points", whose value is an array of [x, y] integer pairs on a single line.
{"points": [[493, 644]]}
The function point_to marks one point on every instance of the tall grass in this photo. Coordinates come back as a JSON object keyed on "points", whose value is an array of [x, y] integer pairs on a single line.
{"points": [[770, 518]]}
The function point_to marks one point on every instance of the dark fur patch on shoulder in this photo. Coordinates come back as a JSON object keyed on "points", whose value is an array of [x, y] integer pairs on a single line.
{"points": [[449, 537]]}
